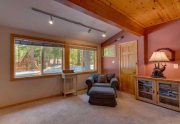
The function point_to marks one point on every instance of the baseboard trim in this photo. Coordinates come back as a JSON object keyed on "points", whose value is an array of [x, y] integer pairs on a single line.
{"points": [[82, 89], [3, 107]]}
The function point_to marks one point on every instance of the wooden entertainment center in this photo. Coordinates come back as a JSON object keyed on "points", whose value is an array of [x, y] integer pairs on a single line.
{"points": [[159, 91]]}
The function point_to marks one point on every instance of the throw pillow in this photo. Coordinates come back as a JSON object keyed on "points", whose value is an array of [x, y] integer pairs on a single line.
{"points": [[102, 78]]}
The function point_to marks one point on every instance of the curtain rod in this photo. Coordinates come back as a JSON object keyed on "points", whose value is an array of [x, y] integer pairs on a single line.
{"points": [[71, 21]]}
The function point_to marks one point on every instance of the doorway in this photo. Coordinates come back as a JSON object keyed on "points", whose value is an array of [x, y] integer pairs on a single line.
{"points": [[128, 65]]}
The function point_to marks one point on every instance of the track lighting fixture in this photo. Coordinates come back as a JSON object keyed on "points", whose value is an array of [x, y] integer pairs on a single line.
{"points": [[68, 20], [104, 34], [51, 21], [89, 31]]}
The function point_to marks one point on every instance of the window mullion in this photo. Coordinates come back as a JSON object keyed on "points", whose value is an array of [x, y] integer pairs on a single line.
{"points": [[42, 60]]}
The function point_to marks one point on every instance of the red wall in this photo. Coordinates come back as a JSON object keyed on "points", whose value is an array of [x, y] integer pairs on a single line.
{"points": [[165, 35], [106, 62]]}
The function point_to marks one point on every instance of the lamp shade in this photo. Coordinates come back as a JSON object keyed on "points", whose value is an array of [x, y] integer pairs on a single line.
{"points": [[158, 57]]}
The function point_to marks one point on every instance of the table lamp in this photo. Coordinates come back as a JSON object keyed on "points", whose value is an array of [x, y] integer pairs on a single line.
{"points": [[158, 57]]}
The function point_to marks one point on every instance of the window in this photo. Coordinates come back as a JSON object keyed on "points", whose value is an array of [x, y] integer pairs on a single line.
{"points": [[83, 59], [109, 51], [36, 57]]}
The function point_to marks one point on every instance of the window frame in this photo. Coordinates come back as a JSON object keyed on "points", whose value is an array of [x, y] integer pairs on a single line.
{"points": [[67, 47], [12, 57], [102, 51], [65, 57]]}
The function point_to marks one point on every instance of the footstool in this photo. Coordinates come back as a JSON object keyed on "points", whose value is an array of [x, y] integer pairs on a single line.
{"points": [[104, 96]]}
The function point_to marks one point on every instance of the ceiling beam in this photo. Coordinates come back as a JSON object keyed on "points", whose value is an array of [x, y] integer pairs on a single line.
{"points": [[97, 9]]}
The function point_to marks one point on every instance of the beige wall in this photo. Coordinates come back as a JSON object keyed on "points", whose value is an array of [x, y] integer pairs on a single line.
{"points": [[12, 92]]}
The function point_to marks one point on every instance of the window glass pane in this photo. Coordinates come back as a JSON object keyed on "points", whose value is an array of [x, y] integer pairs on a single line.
{"points": [[52, 59], [89, 60], [82, 60], [27, 60], [76, 59], [110, 51]]}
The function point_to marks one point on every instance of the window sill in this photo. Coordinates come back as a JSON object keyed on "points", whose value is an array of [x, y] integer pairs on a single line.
{"points": [[86, 72], [50, 75], [35, 77]]}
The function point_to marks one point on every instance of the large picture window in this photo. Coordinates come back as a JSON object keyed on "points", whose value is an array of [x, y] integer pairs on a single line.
{"points": [[83, 59], [36, 57]]}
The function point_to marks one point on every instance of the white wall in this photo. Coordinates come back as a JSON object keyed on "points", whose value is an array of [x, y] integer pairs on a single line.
{"points": [[12, 92]]}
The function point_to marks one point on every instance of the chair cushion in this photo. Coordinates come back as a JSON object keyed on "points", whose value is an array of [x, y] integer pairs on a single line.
{"points": [[102, 92], [95, 76], [102, 78], [102, 84]]}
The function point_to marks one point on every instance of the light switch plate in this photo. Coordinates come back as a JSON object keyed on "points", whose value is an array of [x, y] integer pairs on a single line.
{"points": [[176, 66], [113, 61]]}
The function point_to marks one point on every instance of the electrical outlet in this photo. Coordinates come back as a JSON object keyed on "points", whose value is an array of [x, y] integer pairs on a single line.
{"points": [[113, 61], [176, 66]]}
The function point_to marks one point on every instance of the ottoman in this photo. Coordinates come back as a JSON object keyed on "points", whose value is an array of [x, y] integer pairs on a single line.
{"points": [[104, 96]]}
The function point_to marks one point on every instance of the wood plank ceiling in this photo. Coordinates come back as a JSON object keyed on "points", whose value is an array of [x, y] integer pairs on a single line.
{"points": [[147, 12], [130, 15]]}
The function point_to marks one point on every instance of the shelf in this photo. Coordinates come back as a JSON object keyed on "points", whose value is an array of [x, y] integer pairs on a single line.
{"points": [[146, 85], [146, 92], [168, 89], [168, 97]]}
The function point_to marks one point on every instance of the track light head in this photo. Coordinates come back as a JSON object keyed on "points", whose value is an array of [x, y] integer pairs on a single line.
{"points": [[51, 21], [104, 34], [89, 31]]}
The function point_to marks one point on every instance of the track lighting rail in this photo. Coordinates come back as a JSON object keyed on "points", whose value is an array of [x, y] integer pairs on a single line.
{"points": [[68, 20]]}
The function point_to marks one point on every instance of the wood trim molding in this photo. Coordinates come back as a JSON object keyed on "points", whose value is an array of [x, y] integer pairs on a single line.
{"points": [[70, 43], [108, 47], [66, 56], [36, 77], [65, 64], [12, 69], [83, 89], [103, 12], [36, 38], [3, 107]]}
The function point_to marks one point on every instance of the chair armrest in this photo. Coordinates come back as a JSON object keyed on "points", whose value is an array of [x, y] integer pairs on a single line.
{"points": [[114, 82], [90, 81]]}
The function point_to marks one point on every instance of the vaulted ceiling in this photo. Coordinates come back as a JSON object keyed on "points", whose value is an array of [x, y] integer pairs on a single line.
{"points": [[18, 14], [130, 15]]}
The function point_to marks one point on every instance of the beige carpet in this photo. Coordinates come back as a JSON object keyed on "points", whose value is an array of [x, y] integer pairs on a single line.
{"points": [[76, 110]]}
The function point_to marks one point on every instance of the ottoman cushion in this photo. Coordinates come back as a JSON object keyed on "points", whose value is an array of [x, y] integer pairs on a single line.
{"points": [[102, 93]]}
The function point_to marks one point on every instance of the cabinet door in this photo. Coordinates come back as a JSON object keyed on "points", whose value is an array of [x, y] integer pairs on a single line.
{"points": [[168, 94], [145, 90]]}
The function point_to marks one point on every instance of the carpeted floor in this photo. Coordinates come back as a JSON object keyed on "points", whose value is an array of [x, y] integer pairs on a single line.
{"points": [[76, 110]]}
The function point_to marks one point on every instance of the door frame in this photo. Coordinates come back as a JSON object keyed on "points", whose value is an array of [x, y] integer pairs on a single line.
{"points": [[137, 57]]}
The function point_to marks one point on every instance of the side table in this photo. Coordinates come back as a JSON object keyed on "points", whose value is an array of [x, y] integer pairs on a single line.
{"points": [[70, 76]]}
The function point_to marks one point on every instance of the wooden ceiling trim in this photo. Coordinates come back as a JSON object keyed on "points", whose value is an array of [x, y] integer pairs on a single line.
{"points": [[161, 10], [121, 11], [136, 10], [151, 10], [105, 13], [131, 12], [130, 15], [177, 2]]}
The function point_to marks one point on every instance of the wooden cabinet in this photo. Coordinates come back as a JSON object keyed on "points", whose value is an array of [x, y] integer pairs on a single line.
{"points": [[162, 92]]}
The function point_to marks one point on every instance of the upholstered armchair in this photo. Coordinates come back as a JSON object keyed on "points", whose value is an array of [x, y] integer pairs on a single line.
{"points": [[92, 81]]}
